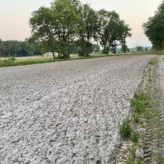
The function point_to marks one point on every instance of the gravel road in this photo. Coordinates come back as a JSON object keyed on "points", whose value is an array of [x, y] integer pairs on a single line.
{"points": [[66, 112]]}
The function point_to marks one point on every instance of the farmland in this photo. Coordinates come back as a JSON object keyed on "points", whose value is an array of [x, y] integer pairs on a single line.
{"points": [[66, 112]]}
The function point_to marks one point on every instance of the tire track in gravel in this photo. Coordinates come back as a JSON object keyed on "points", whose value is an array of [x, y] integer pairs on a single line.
{"points": [[66, 112]]}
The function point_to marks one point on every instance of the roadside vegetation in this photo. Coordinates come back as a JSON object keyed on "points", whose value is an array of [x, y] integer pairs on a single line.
{"points": [[154, 28], [69, 25], [142, 119], [12, 61]]}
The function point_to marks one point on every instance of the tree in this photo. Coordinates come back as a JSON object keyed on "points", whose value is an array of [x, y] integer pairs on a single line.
{"points": [[154, 28], [125, 32], [96, 48], [42, 23], [16, 48], [9, 45], [113, 31], [28, 48], [139, 48], [2, 47], [87, 29], [56, 25]]}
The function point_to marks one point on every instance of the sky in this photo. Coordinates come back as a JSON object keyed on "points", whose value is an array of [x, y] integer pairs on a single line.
{"points": [[15, 14]]}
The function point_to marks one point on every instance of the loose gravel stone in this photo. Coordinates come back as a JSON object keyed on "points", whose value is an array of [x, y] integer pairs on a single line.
{"points": [[66, 112]]}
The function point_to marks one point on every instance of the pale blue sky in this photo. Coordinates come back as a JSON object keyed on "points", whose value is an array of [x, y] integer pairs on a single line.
{"points": [[14, 16]]}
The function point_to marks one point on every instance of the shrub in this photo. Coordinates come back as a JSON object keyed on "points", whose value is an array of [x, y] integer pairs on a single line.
{"points": [[125, 129], [12, 59]]}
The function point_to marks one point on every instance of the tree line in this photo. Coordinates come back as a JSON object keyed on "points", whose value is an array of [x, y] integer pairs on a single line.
{"points": [[19, 48], [25, 48], [68, 22], [154, 28]]}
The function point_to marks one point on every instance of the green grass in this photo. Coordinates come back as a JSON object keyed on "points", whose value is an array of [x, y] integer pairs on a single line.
{"points": [[137, 105], [153, 62], [136, 118], [142, 96], [12, 62], [125, 129], [129, 161], [135, 137]]}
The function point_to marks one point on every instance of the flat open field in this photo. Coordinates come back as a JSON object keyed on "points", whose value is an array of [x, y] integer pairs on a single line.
{"points": [[66, 112]]}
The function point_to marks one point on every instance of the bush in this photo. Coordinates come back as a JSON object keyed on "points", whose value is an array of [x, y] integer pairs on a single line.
{"points": [[12, 59], [125, 129], [7, 61]]}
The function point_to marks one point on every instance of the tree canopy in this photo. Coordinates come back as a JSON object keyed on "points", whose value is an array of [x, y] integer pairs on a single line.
{"points": [[69, 22], [154, 28]]}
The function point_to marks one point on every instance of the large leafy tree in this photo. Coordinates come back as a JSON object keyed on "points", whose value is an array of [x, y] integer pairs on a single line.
{"points": [[56, 26], [87, 29], [43, 27], [67, 18], [113, 31], [125, 32], [154, 28]]}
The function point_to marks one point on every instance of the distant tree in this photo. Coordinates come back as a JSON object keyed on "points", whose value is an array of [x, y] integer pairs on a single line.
{"points": [[28, 48], [125, 32], [146, 49], [9, 45], [16, 48], [139, 48], [2, 47]]}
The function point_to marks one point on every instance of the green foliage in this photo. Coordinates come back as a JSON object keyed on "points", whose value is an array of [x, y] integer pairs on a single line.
{"points": [[137, 105], [133, 152], [153, 62], [134, 137], [12, 59], [139, 102], [70, 21], [139, 161], [19, 48], [125, 129], [154, 28], [130, 161], [139, 48], [141, 97], [136, 118]]}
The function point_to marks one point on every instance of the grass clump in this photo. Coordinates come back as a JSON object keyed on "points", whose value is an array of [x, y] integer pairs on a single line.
{"points": [[135, 137], [137, 105], [125, 129], [129, 161], [153, 62], [139, 161], [141, 97], [136, 118]]}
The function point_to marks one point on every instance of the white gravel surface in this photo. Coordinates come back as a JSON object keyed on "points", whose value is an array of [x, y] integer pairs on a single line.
{"points": [[66, 112]]}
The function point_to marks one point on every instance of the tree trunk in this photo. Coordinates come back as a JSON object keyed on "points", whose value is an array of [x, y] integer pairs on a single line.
{"points": [[53, 55]]}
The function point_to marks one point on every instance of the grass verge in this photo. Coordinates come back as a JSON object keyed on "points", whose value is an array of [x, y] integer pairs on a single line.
{"points": [[12, 62]]}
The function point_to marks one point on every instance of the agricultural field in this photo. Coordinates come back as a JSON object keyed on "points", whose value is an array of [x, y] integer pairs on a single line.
{"points": [[66, 112]]}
